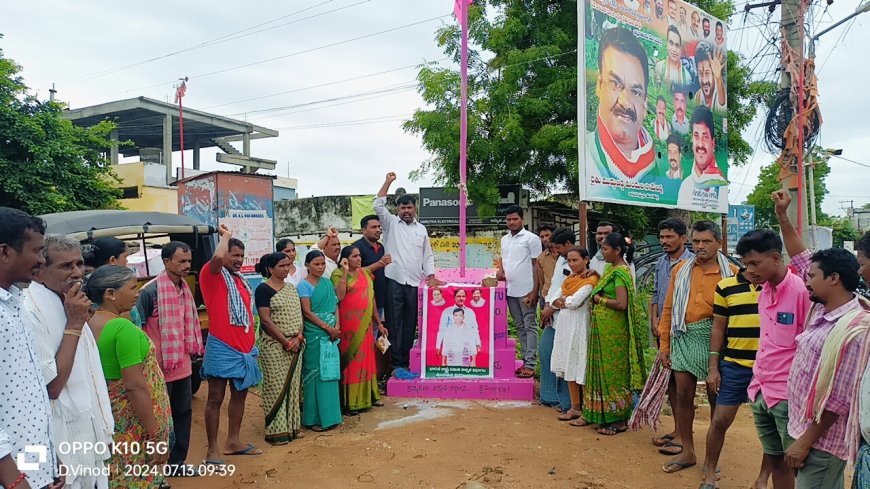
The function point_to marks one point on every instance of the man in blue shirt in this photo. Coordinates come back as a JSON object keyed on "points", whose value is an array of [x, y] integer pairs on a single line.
{"points": [[372, 252], [673, 236]]}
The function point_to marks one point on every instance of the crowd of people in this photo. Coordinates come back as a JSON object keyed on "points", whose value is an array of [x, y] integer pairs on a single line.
{"points": [[92, 360], [789, 340]]}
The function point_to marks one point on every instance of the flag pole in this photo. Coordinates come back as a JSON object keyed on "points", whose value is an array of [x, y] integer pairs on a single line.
{"points": [[179, 94], [463, 137]]}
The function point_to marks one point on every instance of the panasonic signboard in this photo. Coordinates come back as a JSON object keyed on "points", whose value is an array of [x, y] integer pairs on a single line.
{"points": [[440, 206]]}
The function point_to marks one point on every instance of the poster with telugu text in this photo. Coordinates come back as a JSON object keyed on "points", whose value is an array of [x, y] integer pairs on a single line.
{"points": [[653, 105], [457, 332], [254, 229]]}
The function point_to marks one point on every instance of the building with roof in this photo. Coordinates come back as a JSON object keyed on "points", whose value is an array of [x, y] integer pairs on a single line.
{"points": [[149, 129]]}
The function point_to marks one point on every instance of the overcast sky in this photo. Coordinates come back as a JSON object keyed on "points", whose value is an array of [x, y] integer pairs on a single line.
{"points": [[347, 145]]}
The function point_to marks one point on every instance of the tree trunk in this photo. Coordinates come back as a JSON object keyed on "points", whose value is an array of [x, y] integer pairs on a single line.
{"points": [[682, 215]]}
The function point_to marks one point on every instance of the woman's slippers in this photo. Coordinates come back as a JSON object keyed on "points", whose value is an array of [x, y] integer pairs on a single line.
{"points": [[579, 422], [610, 430]]}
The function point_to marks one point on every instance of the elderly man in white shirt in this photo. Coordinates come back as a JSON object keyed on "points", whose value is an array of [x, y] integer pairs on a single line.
{"points": [[330, 246], [519, 254], [25, 412], [67, 353], [407, 241]]}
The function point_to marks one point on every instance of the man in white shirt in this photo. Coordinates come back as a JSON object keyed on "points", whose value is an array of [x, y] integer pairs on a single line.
{"points": [[663, 128], [460, 298], [67, 353], [519, 254], [597, 262], [705, 188], [330, 245], [711, 76], [675, 157], [25, 412], [679, 122], [407, 242]]}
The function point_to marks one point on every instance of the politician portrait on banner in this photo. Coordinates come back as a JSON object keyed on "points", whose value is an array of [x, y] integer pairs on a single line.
{"points": [[457, 332], [652, 98]]}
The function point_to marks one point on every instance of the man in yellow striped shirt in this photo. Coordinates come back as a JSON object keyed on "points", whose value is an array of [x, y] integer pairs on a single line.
{"points": [[736, 328]]}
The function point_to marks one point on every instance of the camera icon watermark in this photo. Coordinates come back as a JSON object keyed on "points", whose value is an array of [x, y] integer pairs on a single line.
{"points": [[41, 452]]}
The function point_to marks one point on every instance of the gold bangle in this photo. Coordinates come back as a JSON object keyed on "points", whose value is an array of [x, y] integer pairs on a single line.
{"points": [[605, 302], [73, 332]]}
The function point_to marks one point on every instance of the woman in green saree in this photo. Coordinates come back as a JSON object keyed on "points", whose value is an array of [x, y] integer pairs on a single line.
{"points": [[281, 345], [354, 287], [321, 410], [615, 350]]}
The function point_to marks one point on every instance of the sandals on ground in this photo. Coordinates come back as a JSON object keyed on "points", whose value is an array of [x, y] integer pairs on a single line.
{"points": [[569, 415], [662, 440], [664, 450], [610, 430], [526, 373]]}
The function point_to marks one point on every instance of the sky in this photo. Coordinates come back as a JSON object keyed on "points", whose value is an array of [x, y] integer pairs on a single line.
{"points": [[362, 57]]}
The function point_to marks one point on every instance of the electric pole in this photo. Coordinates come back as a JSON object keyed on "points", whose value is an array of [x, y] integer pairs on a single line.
{"points": [[792, 176]]}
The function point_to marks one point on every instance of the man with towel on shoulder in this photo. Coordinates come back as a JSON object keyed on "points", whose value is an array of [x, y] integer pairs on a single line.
{"points": [[230, 353], [167, 307], [685, 327]]}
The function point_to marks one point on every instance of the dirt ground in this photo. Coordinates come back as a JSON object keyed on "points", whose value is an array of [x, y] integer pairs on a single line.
{"points": [[465, 444]]}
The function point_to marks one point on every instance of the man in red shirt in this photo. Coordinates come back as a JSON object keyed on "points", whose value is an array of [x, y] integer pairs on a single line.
{"points": [[230, 353]]}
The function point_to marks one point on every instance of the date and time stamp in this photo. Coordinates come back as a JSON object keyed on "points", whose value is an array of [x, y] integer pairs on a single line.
{"points": [[166, 470]]}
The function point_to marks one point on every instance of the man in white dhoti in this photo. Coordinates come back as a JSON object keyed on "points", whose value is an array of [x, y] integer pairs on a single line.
{"points": [[67, 353]]}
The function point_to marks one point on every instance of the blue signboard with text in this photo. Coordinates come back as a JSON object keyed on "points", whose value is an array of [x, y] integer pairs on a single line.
{"points": [[741, 220]]}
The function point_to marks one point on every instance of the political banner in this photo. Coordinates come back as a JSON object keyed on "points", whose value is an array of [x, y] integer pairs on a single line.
{"points": [[652, 105], [457, 332]]}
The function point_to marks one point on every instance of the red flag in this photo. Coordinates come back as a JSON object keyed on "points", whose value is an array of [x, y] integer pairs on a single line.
{"points": [[457, 9]]}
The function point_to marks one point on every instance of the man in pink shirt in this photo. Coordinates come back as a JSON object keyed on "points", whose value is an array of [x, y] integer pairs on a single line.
{"points": [[172, 323], [782, 306], [820, 450]]}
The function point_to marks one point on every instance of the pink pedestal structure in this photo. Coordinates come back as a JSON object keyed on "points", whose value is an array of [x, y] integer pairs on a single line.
{"points": [[503, 386]]}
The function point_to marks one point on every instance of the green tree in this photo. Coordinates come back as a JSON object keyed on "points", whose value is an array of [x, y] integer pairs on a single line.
{"points": [[522, 113], [48, 164], [843, 230]]}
